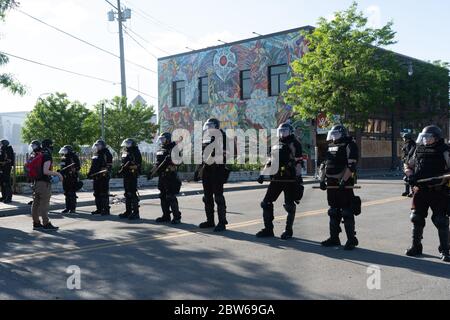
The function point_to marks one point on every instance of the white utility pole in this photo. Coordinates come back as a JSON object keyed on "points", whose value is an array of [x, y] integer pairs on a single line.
{"points": [[122, 15]]}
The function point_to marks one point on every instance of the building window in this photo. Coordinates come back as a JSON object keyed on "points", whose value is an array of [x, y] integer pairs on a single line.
{"points": [[203, 97], [179, 94], [246, 91], [278, 78]]}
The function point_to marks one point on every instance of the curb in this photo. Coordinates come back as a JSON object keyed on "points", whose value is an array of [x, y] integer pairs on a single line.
{"points": [[25, 209]]}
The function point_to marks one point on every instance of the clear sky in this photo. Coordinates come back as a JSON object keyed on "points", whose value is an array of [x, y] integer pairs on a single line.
{"points": [[423, 32]]}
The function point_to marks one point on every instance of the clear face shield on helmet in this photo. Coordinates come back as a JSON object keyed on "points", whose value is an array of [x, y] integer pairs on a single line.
{"points": [[126, 145], [162, 141], [32, 148], [63, 151], [96, 148], [426, 139], [334, 135], [283, 133]]}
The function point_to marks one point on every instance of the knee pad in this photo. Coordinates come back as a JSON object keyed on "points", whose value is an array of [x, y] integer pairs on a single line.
{"points": [[418, 219], [347, 213], [220, 200], [290, 207], [267, 205], [334, 213], [441, 221]]}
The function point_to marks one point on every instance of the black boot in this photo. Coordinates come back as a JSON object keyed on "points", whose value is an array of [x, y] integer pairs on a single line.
{"points": [[335, 228], [267, 232], [222, 213], [73, 204], [173, 202], [288, 234], [444, 244], [128, 209], [209, 210], [407, 190], [135, 210], [66, 210], [98, 205], [105, 210], [166, 211], [349, 224], [416, 248], [208, 224]]}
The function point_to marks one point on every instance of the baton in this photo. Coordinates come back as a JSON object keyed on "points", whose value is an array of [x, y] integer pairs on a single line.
{"points": [[337, 187], [126, 165], [435, 178], [97, 173], [64, 169]]}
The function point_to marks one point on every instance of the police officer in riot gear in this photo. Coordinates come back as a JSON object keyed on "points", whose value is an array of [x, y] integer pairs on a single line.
{"points": [[69, 168], [214, 175], [169, 184], [130, 170], [287, 178], [7, 159], [430, 160], [337, 174], [408, 147], [100, 172]]}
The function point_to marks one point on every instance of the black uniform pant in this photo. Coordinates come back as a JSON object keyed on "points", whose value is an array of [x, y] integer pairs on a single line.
{"points": [[101, 194], [435, 199], [70, 191], [340, 202], [213, 192], [167, 186], [273, 192], [131, 196], [6, 183]]}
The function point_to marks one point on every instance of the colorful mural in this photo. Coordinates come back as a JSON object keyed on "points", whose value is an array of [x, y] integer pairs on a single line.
{"points": [[222, 65]]}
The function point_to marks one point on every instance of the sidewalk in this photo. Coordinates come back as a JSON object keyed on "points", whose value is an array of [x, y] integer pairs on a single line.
{"points": [[20, 202], [57, 202]]}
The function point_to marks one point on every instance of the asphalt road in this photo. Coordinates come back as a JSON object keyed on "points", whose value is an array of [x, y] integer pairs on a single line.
{"points": [[143, 260]]}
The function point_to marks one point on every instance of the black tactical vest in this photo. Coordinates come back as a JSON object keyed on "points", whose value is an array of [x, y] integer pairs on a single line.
{"points": [[337, 160], [430, 161]]}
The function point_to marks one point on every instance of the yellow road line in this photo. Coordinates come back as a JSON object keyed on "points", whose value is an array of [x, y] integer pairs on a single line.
{"points": [[179, 234]]}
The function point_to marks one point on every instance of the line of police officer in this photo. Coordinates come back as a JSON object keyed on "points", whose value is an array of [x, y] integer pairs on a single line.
{"points": [[425, 164]]}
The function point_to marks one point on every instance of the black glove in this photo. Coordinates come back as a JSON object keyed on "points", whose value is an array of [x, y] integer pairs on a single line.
{"points": [[323, 186], [299, 179], [149, 177], [196, 177], [261, 179], [342, 185]]}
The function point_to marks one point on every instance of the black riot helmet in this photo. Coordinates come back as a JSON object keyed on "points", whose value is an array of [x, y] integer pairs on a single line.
{"points": [[211, 124], [128, 143], [98, 145], [285, 130], [407, 136], [165, 139], [430, 135], [34, 146], [66, 150], [47, 144], [4, 143], [337, 133]]}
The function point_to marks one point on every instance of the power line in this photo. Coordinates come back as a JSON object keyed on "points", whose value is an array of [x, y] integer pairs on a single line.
{"points": [[71, 72], [139, 44], [112, 5], [145, 40], [82, 40], [154, 20]]}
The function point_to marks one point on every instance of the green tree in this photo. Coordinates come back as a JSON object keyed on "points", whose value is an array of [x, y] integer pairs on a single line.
{"points": [[344, 72], [59, 119], [122, 121], [7, 80]]}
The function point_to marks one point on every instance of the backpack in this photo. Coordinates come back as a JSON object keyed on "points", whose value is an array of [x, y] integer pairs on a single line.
{"points": [[33, 166]]}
